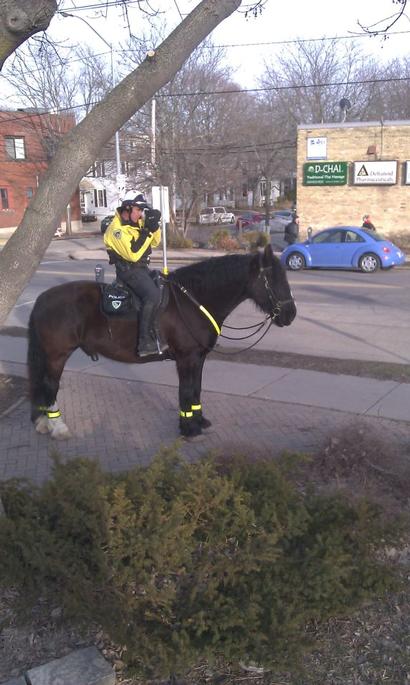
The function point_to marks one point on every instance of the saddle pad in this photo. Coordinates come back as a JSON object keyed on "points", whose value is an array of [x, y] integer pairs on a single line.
{"points": [[116, 299]]}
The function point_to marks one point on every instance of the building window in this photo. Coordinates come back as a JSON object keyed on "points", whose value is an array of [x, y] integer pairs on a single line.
{"points": [[15, 147], [4, 198], [100, 198]]}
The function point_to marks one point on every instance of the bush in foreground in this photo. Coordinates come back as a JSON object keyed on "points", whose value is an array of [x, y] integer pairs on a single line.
{"points": [[186, 561]]}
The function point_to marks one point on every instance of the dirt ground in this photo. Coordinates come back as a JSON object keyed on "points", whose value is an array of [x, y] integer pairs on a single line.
{"points": [[371, 646]]}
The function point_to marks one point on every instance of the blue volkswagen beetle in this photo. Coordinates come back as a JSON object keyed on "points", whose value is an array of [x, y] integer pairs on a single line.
{"points": [[343, 247]]}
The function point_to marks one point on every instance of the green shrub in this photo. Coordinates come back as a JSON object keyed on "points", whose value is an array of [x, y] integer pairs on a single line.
{"points": [[184, 561], [177, 240], [222, 240], [255, 239]]}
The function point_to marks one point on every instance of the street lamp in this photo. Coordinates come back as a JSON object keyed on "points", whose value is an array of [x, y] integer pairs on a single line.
{"points": [[117, 135]]}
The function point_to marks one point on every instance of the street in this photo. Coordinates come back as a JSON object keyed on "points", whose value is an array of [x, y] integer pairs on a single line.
{"points": [[341, 314]]}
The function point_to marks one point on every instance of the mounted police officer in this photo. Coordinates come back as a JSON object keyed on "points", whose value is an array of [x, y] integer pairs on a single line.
{"points": [[129, 239]]}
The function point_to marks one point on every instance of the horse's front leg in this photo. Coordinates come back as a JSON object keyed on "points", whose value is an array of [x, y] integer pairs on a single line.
{"points": [[197, 406], [190, 413]]}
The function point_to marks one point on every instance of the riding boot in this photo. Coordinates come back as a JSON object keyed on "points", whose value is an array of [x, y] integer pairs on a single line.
{"points": [[146, 345], [161, 342]]}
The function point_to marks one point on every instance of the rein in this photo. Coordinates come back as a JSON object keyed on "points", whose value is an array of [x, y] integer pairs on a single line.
{"points": [[276, 309]]}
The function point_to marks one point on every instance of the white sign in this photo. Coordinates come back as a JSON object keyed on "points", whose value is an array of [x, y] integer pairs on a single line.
{"points": [[374, 173], [160, 200], [316, 148], [407, 173]]}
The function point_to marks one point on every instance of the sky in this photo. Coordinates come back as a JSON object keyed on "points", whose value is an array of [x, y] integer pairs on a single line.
{"points": [[253, 40]]}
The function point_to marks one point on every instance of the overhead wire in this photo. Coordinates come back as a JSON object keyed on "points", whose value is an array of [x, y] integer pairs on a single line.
{"points": [[233, 91]]}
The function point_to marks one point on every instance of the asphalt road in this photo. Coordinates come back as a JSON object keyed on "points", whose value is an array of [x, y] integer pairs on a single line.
{"points": [[341, 314]]}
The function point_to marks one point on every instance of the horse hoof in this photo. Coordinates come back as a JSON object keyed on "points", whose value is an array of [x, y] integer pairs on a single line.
{"points": [[194, 438], [41, 425], [61, 433], [205, 423]]}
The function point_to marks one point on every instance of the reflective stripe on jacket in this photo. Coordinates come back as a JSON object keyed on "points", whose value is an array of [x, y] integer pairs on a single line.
{"points": [[130, 242]]}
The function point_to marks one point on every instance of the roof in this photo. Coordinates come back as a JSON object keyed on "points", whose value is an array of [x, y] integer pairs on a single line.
{"points": [[355, 124]]}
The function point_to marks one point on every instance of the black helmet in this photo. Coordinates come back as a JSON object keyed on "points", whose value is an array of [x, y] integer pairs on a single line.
{"points": [[137, 201]]}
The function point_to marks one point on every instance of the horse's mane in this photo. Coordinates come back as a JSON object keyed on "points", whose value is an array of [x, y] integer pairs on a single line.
{"points": [[214, 273]]}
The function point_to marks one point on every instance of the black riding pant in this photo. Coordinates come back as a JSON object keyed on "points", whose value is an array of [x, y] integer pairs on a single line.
{"points": [[139, 280]]}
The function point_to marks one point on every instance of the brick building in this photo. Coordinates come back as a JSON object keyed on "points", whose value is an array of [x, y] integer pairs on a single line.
{"points": [[350, 169], [27, 143]]}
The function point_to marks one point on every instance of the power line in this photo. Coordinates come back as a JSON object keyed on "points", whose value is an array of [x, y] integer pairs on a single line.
{"points": [[281, 88], [294, 41], [233, 91]]}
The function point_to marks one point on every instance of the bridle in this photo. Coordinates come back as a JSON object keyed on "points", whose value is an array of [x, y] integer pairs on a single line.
{"points": [[274, 301]]}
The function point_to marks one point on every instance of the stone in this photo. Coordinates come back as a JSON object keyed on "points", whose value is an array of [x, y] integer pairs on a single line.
{"points": [[82, 667]]}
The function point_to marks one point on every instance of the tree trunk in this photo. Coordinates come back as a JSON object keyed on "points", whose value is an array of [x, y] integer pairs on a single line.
{"points": [[80, 147], [20, 19]]}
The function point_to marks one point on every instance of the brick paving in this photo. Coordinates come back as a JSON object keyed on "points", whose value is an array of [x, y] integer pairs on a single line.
{"points": [[122, 424]]}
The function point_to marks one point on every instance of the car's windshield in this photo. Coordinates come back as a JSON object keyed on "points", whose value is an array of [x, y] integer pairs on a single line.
{"points": [[207, 211], [219, 210]]}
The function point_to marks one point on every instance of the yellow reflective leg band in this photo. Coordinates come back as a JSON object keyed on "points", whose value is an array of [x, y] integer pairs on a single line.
{"points": [[53, 414], [186, 414], [196, 407], [210, 317]]}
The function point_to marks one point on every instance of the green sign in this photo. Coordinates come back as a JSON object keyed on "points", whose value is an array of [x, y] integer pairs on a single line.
{"points": [[325, 174]]}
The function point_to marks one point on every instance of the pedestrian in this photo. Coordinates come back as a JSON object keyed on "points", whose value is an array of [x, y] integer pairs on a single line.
{"points": [[367, 223], [129, 240], [292, 230]]}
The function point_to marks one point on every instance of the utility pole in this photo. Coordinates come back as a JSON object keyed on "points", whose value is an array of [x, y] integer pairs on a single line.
{"points": [[153, 133]]}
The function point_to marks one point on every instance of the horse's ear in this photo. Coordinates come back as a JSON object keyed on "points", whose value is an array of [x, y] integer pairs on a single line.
{"points": [[267, 257]]}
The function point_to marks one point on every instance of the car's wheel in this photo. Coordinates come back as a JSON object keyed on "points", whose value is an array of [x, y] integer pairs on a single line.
{"points": [[295, 261], [369, 262]]}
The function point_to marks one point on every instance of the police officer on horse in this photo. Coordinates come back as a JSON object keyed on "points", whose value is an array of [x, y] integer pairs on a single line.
{"points": [[129, 240]]}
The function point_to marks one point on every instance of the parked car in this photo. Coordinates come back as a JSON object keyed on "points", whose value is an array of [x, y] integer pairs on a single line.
{"points": [[216, 215], [343, 247], [88, 217], [106, 222], [279, 219], [249, 218]]}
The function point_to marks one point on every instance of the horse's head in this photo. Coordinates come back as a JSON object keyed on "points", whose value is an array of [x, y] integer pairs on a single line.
{"points": [[269, 288]]}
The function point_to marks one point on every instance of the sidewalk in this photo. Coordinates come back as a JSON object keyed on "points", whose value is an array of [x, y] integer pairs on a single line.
{"points": [[123, 414]]}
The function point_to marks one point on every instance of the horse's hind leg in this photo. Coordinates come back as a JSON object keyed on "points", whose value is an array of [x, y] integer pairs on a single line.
{"points": [[45, 414], [44, 373]]}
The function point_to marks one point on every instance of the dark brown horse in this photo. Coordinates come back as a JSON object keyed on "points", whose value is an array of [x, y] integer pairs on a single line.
{"points": [[69, 316]]}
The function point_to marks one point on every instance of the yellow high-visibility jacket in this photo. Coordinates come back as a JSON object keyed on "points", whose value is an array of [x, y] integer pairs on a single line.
{"points": [[129, 242]]}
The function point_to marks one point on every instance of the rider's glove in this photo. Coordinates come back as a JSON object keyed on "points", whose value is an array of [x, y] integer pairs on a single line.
{"points": [[152, 217]]}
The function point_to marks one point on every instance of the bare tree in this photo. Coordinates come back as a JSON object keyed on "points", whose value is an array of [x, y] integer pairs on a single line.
{"points": [[81, 145], [21, 19]]}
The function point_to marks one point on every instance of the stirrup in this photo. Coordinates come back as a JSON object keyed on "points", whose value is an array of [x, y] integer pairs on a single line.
{"points": [[147, 348], [162, 346]]}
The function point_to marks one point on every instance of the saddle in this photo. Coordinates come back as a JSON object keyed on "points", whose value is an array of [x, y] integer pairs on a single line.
{"points": [[119, 301]]}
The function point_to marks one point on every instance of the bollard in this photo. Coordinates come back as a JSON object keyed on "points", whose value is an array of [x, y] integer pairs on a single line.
{"points": [[99, 273]]}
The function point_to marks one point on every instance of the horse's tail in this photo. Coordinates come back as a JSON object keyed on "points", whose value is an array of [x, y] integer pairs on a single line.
{"points": [[41, 387]]}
